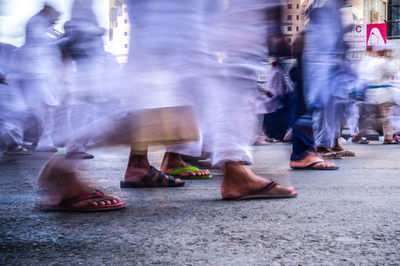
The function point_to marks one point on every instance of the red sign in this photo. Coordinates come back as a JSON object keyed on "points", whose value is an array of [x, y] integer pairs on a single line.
{"points": [[376, 34]]}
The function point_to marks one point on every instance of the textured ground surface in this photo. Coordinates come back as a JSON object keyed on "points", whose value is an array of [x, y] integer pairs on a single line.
{"points": [[345, 217]]}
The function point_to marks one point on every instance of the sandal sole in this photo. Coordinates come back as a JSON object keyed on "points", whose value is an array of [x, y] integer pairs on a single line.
{"points": [[124, 184]]}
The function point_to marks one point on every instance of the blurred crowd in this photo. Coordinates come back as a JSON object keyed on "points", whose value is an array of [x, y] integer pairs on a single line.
{"points": [[191, 84]]}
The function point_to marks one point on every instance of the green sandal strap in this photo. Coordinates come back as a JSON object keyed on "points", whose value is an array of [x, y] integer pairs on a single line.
{"points": [[188, 168]]}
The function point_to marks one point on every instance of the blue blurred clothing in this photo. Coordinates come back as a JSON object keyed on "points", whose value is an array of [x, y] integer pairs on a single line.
{"points": [[327, 77]]}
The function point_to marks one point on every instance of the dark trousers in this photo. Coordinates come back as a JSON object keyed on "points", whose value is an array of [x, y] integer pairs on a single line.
{"points": [[302, 137], [277, 123]]}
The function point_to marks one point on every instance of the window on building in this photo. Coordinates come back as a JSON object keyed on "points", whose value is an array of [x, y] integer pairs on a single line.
{"points": [[125, 45], [289, 17], [289, 6], [393, 21], [110, 34], [298, 17], [125, 10], [289, 28], [297, 28], [289, 40], [297, 6], [126, 33], [126, 21]]}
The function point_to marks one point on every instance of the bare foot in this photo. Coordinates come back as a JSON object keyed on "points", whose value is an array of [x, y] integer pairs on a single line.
{"points": [[338, 148], [59, 181], [239, 181], [173, 161], [323, 150], [309, 159], [342, 151]]}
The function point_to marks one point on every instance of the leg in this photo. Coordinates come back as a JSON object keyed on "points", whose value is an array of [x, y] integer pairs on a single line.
{"points": [[261, 137], [232, 143], [139, 173], [383, 113], [365, 121], [45, 117], [12, 131], [303, 153], [340, 115], [324, 126], [76, 147]]}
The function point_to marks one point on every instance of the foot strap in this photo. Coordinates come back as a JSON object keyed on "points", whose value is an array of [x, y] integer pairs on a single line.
{"points": [[311, 165], [269, 186], [148, 177], [187, 168], [70, 202]]}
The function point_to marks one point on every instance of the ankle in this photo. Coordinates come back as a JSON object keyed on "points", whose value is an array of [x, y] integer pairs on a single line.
{"points": [[322, 149], [138, 161], [172, 160]]}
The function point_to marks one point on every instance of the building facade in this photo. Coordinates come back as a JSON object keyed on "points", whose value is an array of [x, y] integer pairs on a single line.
{"points": [[119, 30], [293, 20]]}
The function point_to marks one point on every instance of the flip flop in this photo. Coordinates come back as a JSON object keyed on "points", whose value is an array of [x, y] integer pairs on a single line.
{"points": [[393, 142], [331, 155], [148, 181], [67, 205], [264, 194], [189, 168], [346, 153], [362, 141], [312, 167], [18, 150]]}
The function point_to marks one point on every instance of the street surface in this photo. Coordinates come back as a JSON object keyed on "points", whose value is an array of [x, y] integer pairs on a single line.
{"points": [[345, 217]]}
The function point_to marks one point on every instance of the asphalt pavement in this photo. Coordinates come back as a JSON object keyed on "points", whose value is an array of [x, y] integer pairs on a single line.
{"points": [[344, 217]]}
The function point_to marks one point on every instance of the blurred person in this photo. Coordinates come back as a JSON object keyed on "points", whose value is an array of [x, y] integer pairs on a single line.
{"points": [[378, 70], [150, 110], [160, 103], [280, 91], [156, 50], [241, 30], [365, 110], [327, 77], [261, 107], [12, 106], [83, 45], [303, 154], [38, 73]]}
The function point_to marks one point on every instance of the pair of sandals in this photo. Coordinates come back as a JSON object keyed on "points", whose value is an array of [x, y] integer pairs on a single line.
{"points": [[150, 181]]}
